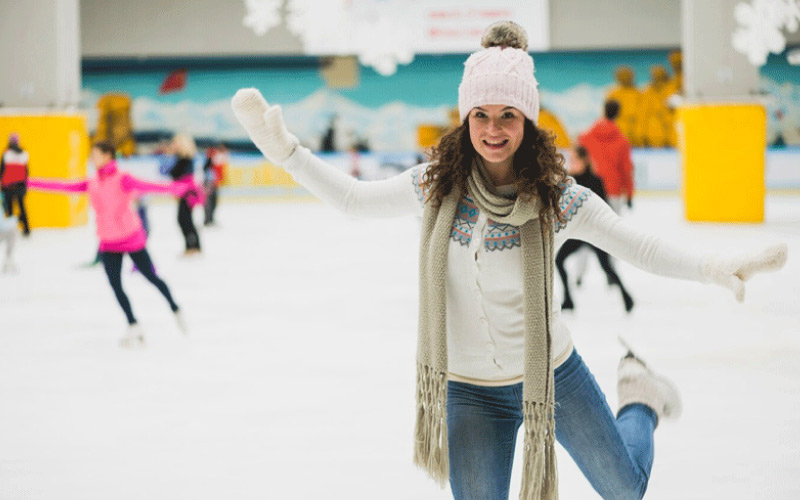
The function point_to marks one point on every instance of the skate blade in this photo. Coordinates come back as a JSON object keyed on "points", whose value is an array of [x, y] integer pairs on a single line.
{"points": [[132, 343]]}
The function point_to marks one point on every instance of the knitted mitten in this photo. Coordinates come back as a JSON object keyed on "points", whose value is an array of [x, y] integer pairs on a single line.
{"points": [[636, 383], [264, 124], [732, 271]]}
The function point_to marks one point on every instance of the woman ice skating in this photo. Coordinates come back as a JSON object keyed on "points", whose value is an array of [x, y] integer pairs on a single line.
{"points": [[111, 193], [493, 352], [581, 170], [185, 150]]}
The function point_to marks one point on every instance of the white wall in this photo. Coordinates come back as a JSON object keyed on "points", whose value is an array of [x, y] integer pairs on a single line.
{"points": [[39, 53], [126, 28], [593, 24], [113, 28]]}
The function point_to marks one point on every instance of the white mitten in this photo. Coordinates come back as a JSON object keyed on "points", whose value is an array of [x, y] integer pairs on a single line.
{"points": [[732, 271], [264, 124]]}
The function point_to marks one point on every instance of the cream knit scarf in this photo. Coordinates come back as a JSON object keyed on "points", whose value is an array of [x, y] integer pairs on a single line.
{"points": [[539, 481]]}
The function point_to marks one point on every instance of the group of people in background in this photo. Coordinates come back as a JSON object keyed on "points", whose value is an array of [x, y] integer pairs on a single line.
{"points": [[601, 162], [647, 116], [116, 198]]}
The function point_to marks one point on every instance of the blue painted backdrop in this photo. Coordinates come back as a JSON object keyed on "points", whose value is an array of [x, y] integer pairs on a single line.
{"points": [[385, 110]]}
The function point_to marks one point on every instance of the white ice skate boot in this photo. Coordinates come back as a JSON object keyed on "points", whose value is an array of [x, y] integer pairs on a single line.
{"points": [[636, 383], [181, 320], [133, 338]]}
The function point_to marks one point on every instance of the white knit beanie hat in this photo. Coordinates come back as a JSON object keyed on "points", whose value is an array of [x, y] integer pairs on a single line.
{"points": [[501, 73]]}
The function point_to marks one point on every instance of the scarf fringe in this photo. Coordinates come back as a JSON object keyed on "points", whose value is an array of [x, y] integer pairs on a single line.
{"points": [[539, 476], [430, 444]]}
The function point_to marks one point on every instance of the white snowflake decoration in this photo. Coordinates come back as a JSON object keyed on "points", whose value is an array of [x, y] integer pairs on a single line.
{"points": [[366, 28], [262, 15], [760, 27], [322, 25]]}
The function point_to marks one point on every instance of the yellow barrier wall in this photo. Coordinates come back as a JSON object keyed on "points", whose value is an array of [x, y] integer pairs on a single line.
{"points": [[265, 174], [58, 146], [723, 150]]}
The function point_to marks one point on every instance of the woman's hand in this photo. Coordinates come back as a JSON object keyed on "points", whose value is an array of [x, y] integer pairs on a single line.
{"points": [[264, 124], [732, 271]]}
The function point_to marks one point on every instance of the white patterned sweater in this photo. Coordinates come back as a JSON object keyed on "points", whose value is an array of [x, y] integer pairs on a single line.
{"points": [[484, 280]]}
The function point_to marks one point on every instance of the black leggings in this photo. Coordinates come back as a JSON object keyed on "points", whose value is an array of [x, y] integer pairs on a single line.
{"points": [[571, 246], [112, 262], [16, 193], [187, 225], [211, 205]]}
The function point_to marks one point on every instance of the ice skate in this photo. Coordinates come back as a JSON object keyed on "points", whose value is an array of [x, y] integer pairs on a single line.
{"points": [[181, 321], [636, 383], [133, 338]]}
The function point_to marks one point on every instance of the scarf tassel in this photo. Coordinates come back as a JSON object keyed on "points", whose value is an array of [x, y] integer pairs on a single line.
{"points": [[539, 477], [430, 431]]}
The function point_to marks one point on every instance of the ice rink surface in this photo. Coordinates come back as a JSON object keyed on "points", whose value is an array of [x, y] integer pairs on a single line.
{"points": [[297, 379]]}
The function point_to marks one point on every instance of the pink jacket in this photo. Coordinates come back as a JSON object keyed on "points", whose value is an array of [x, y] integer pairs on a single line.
{"points": [[111, 193]]}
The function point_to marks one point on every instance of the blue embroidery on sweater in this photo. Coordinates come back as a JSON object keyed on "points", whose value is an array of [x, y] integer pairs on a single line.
{"points": [[464, 221], [573, 196], [501, 236]]}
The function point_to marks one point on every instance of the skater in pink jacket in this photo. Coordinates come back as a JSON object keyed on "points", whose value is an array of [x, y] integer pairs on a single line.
{"points": [[119, 229]]}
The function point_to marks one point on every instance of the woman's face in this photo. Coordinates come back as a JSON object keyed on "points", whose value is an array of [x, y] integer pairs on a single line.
{"points": [[496, 132], [99, 158]]}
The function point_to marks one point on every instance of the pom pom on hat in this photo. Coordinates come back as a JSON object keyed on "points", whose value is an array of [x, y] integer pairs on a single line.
{"points": [[505, 34], [501, 73]]}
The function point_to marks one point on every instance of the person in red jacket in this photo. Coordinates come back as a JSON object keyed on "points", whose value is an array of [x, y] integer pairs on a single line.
{"points": [[13, 180], [611, 157]]}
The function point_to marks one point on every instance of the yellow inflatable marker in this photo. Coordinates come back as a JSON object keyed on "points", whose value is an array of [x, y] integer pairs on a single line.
{"points": [[722, 149], [58, 146]]}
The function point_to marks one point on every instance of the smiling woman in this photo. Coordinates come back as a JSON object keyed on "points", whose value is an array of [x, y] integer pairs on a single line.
{"points": [[493, 352]]}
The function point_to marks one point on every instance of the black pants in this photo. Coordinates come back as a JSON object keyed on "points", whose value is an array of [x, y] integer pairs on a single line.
{"points": [[112, 262], [211, 205], [12, 193], [571, 246], [187, 225]]}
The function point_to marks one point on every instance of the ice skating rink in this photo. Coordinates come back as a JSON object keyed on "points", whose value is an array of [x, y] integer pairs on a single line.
{"points": [[297, 379]]}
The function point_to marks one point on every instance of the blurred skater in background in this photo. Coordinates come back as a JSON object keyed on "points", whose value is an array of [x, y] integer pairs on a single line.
{"points": [[217, 159], [184, 149], [13, 178], [580, 168], [119, 229]]}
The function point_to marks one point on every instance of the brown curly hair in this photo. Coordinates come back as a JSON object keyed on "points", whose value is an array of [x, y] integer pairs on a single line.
{"points": [[538, 167]]}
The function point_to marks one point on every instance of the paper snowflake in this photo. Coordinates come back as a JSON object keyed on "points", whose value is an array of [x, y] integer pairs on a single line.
{"points": [[262, 15], [760, 27]]}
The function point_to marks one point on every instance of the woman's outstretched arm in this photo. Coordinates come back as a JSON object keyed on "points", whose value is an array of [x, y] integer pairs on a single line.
{"points": [[591, 220], [58, 186], [386, 198]]}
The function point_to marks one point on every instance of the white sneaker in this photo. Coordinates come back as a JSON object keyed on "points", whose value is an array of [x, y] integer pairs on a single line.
{"points": [[636, 383], [133, 338], [181, 320]]}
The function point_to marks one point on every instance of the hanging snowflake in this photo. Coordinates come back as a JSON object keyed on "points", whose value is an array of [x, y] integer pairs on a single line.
{"points": [[380, 40], [369, 29], [324, 27], [262, 15], [760, 27]]}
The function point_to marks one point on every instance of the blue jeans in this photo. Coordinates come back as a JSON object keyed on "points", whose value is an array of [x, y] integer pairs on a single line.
{"points": [[615, 454]]}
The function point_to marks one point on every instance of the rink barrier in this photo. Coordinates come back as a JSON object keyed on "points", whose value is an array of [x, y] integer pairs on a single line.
{"points": [[722, 150], [58, 146]]}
